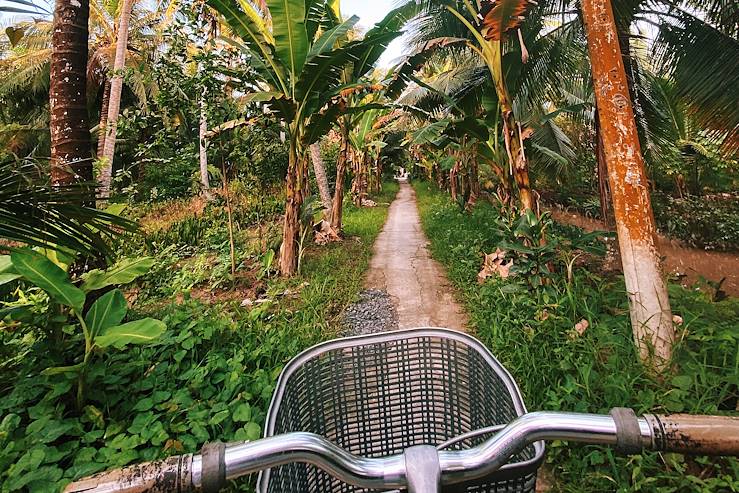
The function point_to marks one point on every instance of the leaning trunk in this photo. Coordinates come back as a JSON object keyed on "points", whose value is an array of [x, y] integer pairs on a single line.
{"points": [[71, 158], [518, 164], [320, 171], [203, 150], [338, 202], [114, 107], [293, 203], [651, 318]]}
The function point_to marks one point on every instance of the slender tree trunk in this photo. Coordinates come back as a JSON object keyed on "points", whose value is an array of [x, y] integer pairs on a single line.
{"points": [[320, 171], [518, 164], [103, 117], [651, 317], [114, 106], [474, 179], [71, 156], [338, 203], [378, 175], [293, 203], [203, 149]]}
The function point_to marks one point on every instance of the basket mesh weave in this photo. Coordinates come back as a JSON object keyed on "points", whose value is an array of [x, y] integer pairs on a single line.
{"points": [[381, 395]]}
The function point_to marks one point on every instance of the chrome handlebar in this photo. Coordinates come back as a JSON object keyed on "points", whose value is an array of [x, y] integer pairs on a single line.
{"points": [[712, 435]]}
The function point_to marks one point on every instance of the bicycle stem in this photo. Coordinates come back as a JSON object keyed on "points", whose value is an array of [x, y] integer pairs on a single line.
{"points": [[713, 435]]}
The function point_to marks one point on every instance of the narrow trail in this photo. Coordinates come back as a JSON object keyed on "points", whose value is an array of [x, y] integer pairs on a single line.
{"points": [[403, 267]]}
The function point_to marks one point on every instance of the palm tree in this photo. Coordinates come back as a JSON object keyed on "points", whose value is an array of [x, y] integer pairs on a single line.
{"points": [[296, 56], [114, 98], [71, 156], [25, 69]]}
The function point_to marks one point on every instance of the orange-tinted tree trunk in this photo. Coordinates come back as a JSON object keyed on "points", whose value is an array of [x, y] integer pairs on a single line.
{"points": [[71, 156], [651, 318]]}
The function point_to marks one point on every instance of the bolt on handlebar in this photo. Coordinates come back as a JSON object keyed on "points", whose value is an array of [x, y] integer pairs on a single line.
{"points": [[710, 435]]}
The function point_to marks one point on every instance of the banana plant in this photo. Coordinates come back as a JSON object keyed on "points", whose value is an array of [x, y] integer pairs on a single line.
{"points": [[366, 142], [100, 323], [292, 45]]}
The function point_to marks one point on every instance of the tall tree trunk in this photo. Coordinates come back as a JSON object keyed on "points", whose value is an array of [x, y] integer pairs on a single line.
{"points": [[103, 117], [71, 156], [114, 106], [338, 202], [651, 317], [320, 171], [603, 192], [293, 203], [203, 149]]}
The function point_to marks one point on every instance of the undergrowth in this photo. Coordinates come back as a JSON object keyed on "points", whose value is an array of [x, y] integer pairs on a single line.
{"points": [[209, 377], [532, 332]]}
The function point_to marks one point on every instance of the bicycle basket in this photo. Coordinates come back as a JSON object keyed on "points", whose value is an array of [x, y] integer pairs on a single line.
{"points": [[378, 394]]}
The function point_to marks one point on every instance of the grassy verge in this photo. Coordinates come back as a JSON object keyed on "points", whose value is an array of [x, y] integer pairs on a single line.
{"points": [[209, 377], [532, 331]]}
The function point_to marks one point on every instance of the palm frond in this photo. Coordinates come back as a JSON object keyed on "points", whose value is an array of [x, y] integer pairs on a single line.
{"points": [[33, 213]]}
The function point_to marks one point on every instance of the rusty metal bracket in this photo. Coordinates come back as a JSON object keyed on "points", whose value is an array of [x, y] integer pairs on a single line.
{"points": [[214, 467], [628, 435]]}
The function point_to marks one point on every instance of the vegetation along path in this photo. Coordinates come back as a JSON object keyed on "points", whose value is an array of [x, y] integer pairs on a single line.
{"points": [[403, 267]]}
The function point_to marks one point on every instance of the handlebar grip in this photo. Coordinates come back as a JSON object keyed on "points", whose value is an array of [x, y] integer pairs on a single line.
{"points": [[167, 475], [695, 434]]}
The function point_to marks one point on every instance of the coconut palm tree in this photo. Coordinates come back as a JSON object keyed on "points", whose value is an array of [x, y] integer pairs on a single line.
{"points": [[292, 46], [71, 156]]}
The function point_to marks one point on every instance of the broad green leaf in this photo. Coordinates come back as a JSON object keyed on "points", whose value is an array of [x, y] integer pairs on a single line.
{"points": [[242, 412], [123, 272], [6, 264], [260, 97], [252, 31], [43, 273], [328, 39], [291, 38], [107, 311], [141, 331], [6, 277]]}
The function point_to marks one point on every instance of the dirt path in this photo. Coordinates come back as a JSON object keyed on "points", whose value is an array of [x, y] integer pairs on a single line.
{"points": [[692, 263], [403, 267]]}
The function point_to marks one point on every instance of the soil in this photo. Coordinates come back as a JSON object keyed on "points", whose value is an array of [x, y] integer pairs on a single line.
{"points": [[687, 264]]}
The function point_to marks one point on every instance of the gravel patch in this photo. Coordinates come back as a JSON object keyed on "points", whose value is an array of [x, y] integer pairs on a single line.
{"points": [[374, 312]]}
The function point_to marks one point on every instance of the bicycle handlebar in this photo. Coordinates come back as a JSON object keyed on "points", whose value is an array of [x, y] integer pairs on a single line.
{"points": [[710, 435]]}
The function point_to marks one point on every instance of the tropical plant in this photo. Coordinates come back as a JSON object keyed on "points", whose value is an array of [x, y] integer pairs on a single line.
{"points": [[34, 213], [101, 322], [297, 59]]}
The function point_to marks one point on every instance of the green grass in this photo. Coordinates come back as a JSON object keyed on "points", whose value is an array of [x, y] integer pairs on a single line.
{"points": [[210, 377], [531, 332]]}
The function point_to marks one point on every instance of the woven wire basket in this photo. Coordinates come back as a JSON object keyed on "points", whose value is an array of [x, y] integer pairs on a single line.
{"points": [[379, 394]]}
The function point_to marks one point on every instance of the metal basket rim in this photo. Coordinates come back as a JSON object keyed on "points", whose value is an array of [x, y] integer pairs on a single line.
{"points": [[294, 364]]}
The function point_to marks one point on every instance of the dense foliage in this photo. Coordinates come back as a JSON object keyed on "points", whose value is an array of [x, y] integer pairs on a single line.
{"points": [[539, 336], [209, 376]]}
